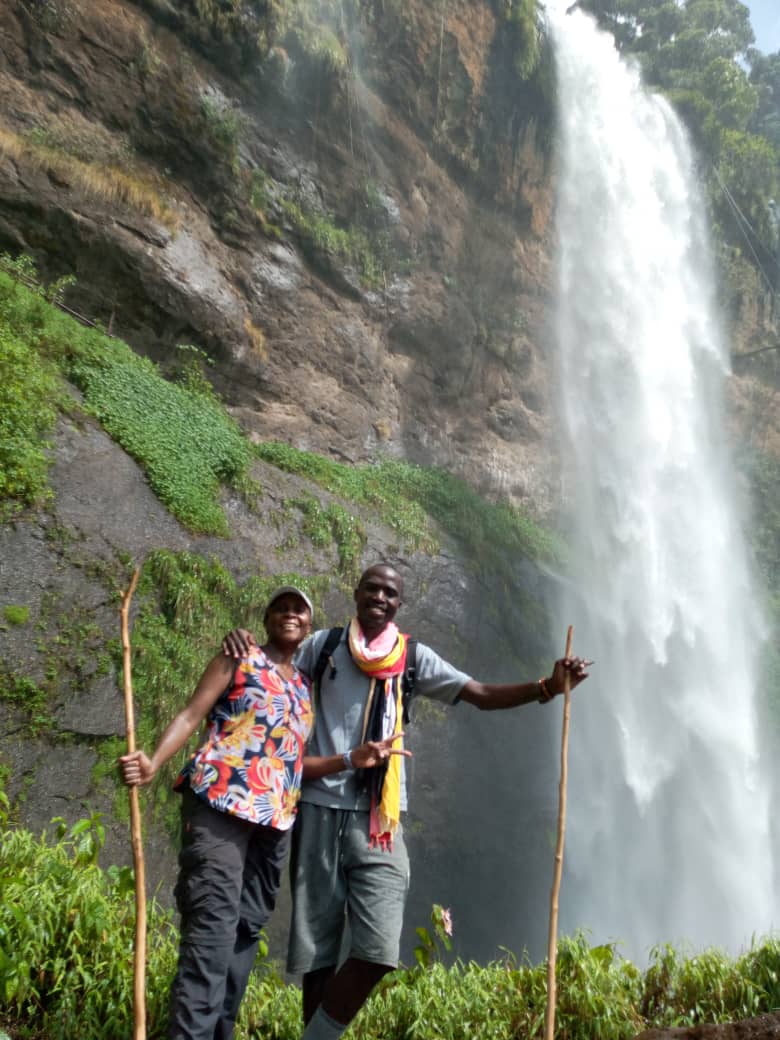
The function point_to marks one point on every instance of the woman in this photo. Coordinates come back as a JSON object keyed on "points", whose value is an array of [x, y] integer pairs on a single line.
{"points": [[239, 794]]}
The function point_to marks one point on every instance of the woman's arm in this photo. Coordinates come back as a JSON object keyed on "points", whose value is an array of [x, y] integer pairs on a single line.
{"points": [[137, 767]]}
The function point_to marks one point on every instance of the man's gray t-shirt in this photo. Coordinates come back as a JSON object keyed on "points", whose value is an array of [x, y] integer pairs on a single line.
{"points": [[339, 707]]}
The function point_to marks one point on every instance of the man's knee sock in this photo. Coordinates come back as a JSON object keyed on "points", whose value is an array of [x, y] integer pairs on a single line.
{"points": [[323, 1027]]}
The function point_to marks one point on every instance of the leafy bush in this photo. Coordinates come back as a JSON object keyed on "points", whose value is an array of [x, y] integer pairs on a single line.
{"points": [[29, 392], [186, 444], [66, 939], [180, 434], [710, 986], [66, 970], [67, 931]]}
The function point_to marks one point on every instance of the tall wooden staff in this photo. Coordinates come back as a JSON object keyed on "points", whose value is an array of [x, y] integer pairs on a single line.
{"points": [[139, 960], [549, 1018]]}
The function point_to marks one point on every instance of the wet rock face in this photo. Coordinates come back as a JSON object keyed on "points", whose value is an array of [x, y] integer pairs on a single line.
{"points": [[413, 145]]}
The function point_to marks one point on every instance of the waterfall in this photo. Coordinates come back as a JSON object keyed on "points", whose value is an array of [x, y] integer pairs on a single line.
{"points": [[669, 834]]}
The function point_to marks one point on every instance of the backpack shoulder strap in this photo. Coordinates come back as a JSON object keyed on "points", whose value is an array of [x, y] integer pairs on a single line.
{"points": [[325, 656], [409, 677]]}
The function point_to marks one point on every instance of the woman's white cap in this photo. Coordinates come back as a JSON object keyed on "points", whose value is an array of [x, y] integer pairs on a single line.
{"points": [[291, 589]]}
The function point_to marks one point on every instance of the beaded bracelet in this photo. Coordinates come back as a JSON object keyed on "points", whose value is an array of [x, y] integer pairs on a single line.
{"points": [[545, 694]]}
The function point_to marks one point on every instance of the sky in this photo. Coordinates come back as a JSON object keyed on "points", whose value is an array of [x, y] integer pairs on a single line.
{"points": [[765, 19]]}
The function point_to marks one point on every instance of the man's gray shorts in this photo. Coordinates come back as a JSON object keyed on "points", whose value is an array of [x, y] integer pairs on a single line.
{"points": [[333, 873]]}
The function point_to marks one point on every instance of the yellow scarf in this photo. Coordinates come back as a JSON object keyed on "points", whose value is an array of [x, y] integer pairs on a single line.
{"points": [[382, 717]]}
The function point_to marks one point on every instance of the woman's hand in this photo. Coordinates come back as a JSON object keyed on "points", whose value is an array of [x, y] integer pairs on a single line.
{"points": [[137, 769], [377, 752]]}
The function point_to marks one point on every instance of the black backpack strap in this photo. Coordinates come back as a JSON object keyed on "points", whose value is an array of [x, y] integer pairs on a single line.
{"points": [[326, 657], [409, 678]]}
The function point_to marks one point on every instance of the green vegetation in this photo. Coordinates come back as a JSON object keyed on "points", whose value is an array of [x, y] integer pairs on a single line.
{"points": [[180, 434], [14, 614], [405, 496], [28, 697], [332, 525], [66, 947], [29, 392], [525, 19], [222, 127], [70, 645], [186, 604], [66, 970], [246, 32], [314, 29], [364, 243], [323, 236]]}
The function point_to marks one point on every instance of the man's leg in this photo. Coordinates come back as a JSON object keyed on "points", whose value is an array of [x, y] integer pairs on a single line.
{"points": [[351, 987], [319, 894], [207, 893], [377, 884], [314, 983], [265, 858]]}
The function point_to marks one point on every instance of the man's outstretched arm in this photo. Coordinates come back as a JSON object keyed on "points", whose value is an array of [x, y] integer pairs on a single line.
{"points": [[496, 696]]}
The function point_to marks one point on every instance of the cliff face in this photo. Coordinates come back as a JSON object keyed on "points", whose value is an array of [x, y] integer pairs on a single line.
{"points": [[370, 222]]}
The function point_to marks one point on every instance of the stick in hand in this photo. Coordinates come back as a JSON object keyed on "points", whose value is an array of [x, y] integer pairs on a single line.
{"points": [[549, 1018], [139, 960]]}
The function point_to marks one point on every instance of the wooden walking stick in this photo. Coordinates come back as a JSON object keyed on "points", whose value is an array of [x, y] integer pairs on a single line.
{"points": [[549, 1018], [139, 960]]}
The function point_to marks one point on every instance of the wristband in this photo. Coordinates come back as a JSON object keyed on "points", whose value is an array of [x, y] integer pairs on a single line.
{"points": [[545, 694], [347, 759]]}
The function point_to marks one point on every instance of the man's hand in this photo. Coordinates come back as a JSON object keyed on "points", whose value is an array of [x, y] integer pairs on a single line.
{"points": [[377, 752], [574, 667], [238, 643], [137, 769]]}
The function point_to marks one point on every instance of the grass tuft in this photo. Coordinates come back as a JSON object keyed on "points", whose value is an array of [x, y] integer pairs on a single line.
{"points": [[110, 183]]}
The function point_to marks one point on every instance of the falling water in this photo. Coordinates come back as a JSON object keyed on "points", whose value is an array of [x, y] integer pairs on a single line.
{"points": [[669, 835]]}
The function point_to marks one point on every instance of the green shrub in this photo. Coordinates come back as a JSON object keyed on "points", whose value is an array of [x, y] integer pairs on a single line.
{"points": [[180, 434], [16, 615], [66, 939], [406, 495], [710, 986], [332, 525], [66, 970], [29, 394], [186, 444]]}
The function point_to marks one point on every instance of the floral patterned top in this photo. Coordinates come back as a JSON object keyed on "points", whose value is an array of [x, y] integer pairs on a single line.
{"points": [[251, 762]]}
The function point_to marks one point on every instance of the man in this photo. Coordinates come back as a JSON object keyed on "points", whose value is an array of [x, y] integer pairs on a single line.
{"points": [[348, 849]]}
